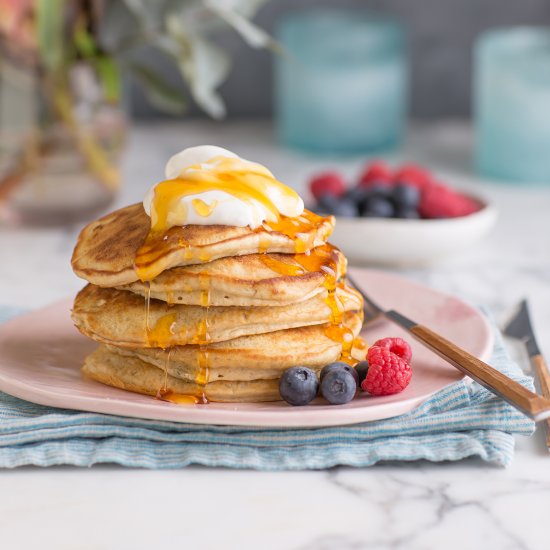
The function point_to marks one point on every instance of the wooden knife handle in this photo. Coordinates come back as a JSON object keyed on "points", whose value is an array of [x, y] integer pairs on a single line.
{"points": [[543, 375], [529, 403]]}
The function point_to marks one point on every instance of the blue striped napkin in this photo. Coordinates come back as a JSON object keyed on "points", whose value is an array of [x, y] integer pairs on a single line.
{"points": [[460, 421]]}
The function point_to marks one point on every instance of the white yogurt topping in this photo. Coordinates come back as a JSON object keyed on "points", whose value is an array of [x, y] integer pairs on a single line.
{"points": [[224, 203]]}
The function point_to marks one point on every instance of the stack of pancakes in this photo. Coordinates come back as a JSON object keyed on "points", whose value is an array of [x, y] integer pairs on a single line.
{"points": [[211, 312]]}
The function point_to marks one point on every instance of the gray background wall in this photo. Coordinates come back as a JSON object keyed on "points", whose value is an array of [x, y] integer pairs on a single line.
{"points": [[441, 35]]}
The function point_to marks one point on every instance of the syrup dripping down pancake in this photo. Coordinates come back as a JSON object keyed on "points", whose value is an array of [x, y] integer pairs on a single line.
{"points": [[168, 379], [106, 253], [133, 374], [260, 356], [118, 317], [252, 280]]}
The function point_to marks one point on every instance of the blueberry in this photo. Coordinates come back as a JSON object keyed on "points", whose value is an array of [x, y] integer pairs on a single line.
{"points": [[338, 386], [407, 213], [380, 190], [361, 369], [339, 365], [326, 203], [339, 206], [298, 385], [405, 196], [357, 195], [346, 208], [377, 207]]}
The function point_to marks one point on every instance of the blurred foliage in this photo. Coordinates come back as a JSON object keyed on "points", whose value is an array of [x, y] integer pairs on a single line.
{"points": [[70, 55], [108, 34], [182, 30]]}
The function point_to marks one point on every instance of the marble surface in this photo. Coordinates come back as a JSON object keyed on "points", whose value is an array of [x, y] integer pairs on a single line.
{"points": [[410, 506]]}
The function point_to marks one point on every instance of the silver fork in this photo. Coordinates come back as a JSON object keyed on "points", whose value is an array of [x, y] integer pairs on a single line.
{"points": [[529, 403]]}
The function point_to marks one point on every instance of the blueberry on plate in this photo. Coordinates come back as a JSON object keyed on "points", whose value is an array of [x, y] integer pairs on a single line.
{"points": [[361, 369], [405, 196], [338, 386], [339, 206], [377, 207], [339, 365], [407, 213], [298, 385]]}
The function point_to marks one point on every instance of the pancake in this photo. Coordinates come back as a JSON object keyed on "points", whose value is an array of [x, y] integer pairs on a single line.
{"points": [[106, 250], [119, 317], [132, 374], [261, 356], [252, 280]]}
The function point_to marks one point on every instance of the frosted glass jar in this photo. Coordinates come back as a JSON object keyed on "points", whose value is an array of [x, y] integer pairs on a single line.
{"points": [[512, 104], [341, 85]]}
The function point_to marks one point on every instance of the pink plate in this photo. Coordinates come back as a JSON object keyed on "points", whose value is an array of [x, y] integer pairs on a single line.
{"points": [[41, 354]]}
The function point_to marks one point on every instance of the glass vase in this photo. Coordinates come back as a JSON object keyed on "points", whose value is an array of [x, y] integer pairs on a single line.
{"points": [[60, 144]]}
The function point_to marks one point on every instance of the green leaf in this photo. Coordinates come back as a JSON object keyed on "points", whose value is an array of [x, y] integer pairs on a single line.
{"points": [[253, 35], [50, 16], [83, 40], [158, 92], [109, 76]]}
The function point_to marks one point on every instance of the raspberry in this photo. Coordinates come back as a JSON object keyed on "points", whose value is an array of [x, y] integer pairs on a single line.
{"points": [[387, 374], [376, 172], [397, 346], [413, 175], [439, 201], [327, 183]]}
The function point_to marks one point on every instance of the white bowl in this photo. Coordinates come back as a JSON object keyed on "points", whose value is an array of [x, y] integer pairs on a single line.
{"points": [[403, 242]]}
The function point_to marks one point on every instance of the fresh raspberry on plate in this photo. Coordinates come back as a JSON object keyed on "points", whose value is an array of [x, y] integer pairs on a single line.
{"points": [[413, 175], [396, 345], [387, 373], [327, 183], [440, 201], [375, 173]]}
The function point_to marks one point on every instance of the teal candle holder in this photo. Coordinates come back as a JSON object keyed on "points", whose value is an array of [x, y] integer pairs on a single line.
{"points": [[512, 104], [341, 83]]}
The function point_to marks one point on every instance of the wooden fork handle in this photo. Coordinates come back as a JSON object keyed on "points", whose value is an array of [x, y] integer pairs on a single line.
{"points": [[539, 364], [531, 404]]}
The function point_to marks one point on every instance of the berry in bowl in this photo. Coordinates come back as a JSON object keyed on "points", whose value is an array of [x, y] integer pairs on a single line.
{"points": [[400, 217]]}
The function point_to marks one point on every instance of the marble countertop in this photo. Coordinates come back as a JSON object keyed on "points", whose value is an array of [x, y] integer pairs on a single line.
{"points": [[414, 506]]}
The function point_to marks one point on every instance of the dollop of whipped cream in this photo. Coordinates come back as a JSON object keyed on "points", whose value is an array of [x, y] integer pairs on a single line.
{"points": [[209, 185]]}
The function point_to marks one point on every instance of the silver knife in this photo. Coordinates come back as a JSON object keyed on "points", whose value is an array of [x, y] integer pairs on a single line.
{"points": [[520, 327]]}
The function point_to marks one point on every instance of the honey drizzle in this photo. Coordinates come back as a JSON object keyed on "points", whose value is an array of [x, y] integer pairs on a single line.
{"points": [[203, 209], [250, 184], [147, 308], [360, 345], [163, 390], [203, 373], [161, 335], [179, 398], [204, 289], [164, 394], [283, 268], [323, 259], [299, 229], [203, 336]]}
